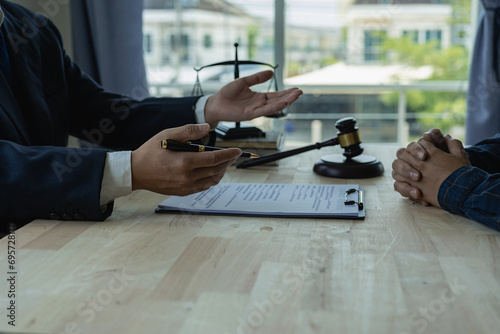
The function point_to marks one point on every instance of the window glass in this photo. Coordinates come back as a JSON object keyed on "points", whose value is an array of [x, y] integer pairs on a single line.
{"points": [[412, 35], [433, 36], [207, 41], [190, 34], [374, 60], [367, 45], [373, 46], [148, 43]]}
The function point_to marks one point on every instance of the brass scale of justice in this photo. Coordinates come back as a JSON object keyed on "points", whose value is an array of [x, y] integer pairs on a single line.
{"points": [[352, 164]]}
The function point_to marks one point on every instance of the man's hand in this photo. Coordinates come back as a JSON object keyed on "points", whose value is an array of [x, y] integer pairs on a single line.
{"points": [[422, 167], [237, 102], [436, 137], [179, 173], [402, 169]]}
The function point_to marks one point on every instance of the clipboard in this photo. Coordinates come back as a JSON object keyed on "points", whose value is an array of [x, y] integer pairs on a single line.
{"points": [[272, 200]]}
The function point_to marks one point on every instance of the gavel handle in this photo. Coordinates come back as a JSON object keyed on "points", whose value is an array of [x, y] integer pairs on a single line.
{"points": [[280, 155]]}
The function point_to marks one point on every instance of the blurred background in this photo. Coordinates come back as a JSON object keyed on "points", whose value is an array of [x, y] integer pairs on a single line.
{"points": [[399, 67]]}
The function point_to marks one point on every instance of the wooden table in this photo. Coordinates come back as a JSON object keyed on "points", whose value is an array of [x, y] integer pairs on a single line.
{"points": [[404, 269]]}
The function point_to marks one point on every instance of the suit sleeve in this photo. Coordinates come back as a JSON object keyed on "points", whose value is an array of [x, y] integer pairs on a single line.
{"points": [[116, 121], [87, 111], [51, 183]]}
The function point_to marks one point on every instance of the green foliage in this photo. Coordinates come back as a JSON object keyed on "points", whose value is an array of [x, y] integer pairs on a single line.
{"points": [[295, 68], [448, 64], [451, 107], [328, 61], [461, 11]]}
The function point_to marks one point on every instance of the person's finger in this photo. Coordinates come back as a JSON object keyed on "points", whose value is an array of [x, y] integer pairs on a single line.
{"points": [[209, 176], [258, 78], [421, 202], [428, 146], [436, 137], [435, 134], [407, 190], [194, 160], [398, 177], [266, 109], [405, 170], [455, 147], [192, 180], [290, 92], [417, 150], [187, 132], [211, 171], [284, 101], [413, 162]]}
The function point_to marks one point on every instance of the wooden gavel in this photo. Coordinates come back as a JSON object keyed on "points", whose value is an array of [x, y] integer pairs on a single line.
{"points": [[347, 137]]}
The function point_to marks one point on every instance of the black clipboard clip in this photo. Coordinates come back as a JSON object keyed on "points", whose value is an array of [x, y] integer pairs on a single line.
{"points": [[359, 201]]}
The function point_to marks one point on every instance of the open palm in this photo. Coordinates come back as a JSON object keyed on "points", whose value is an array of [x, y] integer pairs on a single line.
{"points": [[237, 102]]}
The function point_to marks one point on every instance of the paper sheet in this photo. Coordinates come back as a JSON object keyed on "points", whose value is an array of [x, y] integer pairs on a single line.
{"points": [[263, 199]]}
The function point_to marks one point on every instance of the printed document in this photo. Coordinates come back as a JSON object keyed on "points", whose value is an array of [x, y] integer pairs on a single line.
{"points": [[263, 199]]}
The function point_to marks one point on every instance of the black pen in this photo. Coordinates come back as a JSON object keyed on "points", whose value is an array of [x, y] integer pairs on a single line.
{"points": [[175, 145]]}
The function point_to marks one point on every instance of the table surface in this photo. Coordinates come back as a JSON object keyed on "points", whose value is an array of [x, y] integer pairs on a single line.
{"points": [[404, 269]]}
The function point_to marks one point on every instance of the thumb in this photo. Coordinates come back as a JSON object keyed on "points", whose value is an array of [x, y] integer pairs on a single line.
{"points": [[187, 132], [258, 78]]}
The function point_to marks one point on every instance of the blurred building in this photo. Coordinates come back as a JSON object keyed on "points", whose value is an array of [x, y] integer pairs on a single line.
{"points": [[179, 33], [182, 34], [369, 21]]}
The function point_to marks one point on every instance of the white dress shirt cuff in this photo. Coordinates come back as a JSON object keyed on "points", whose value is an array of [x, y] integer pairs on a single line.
{"points": [[117, 177], [200, 109]]}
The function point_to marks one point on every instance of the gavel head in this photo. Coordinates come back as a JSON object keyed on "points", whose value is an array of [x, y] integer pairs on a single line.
{"points": [[348, 136]]}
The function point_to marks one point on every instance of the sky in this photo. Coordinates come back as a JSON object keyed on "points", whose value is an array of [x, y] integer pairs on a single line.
{"points": [[313, 13]]}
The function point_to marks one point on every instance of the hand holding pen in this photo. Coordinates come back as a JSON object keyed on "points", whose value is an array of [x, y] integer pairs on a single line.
{"points": [[179, 173], [175, 145]]}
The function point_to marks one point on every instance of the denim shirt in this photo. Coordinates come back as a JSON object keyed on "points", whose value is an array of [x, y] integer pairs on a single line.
{"points": [[474, 191]]}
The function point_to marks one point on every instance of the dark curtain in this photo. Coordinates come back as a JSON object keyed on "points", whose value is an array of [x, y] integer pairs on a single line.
{"points": [[483, 98], [107, 41]]}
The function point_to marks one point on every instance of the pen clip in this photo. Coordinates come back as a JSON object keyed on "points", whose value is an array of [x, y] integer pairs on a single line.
{"points": [[359, 201]]}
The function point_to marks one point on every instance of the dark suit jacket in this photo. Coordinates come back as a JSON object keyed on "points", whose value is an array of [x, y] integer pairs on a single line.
{"points": [[50, 99]]}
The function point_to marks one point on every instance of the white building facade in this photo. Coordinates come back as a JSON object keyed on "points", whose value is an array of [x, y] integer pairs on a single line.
{"points": [[369, 21], [197, 37], [178, 39]]}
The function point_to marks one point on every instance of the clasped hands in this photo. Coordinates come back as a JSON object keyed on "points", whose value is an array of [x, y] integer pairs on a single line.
{"points": [[422, 166], [183, 173]]}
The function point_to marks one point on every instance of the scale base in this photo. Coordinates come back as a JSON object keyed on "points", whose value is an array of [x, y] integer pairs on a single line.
{"points": [[239, 131], [361, 167]]}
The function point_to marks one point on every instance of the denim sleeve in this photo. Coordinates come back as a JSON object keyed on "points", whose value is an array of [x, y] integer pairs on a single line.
{"points": [[473, 193], [486, 155]]}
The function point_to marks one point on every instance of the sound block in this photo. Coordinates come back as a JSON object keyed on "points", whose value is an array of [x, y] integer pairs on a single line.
{"points": [[361, 167]]}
